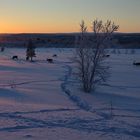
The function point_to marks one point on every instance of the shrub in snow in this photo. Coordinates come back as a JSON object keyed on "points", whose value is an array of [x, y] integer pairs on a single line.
{"points": [[132, 51], [114, 51], [2, 49], [126, 51], [119, 52]]}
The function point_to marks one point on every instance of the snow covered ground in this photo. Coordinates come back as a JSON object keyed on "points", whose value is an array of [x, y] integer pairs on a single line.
{"points": [[40, 100]]}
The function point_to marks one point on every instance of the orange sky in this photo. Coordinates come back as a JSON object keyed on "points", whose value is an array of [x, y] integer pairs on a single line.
{"points": [[53, 16]]}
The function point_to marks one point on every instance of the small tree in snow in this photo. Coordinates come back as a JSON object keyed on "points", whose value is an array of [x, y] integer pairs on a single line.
{"points": [[30, 52], [126, 51], [91, 52], [2, 49], [113, 51]]}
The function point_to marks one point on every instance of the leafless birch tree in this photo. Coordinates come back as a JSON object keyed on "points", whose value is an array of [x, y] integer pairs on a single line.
{"points": [[91, 53]]}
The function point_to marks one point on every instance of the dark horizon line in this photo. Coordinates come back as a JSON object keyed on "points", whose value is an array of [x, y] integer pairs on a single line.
{"points": [[62, 33]]}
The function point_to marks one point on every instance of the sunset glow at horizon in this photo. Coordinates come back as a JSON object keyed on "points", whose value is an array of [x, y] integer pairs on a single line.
{"points": [[62, 16]]}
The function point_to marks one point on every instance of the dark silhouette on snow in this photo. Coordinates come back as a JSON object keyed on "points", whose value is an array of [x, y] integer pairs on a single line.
{"points": [[136, 63], [50, 60], [15, 57], [27, 58], [107, 55], [55, 55], [2, 49], [30, 52]]}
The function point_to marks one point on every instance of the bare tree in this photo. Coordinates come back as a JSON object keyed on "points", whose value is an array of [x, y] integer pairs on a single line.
{"points": [[91, 53]]}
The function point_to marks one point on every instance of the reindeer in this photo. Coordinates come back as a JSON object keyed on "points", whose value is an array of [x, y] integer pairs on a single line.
{"points": [[15, 57], [55, 55], [107, 55], [136, 63], [50, 60]]}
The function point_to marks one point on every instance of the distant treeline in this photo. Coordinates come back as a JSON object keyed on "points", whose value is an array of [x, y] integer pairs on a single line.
{"points": [[128, 40]]}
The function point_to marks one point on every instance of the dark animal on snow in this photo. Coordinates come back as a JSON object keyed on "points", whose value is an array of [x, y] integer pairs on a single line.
{"points": [[50, 60], [55, 55], [107, 55], [136, 63], [15, 57]]}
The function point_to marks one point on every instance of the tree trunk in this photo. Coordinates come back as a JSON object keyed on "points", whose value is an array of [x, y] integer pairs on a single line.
{"points": [[31, 59]]}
